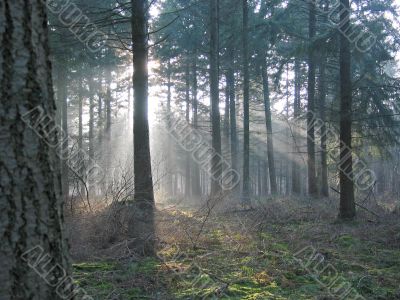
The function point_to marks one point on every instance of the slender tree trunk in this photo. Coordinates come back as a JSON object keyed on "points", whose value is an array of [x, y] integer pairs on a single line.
{"points": [[187, 92], [296, 185], [347, 203], [216, 163], [232, 112], [268, 124], [142, 227], [108, 103], [31, 206], [196, 187], [312, 181], [246, 103], [322, 100], [80, 129], [227, 106], [100, 120], [62, 98], [91, 119], [169, 165]]}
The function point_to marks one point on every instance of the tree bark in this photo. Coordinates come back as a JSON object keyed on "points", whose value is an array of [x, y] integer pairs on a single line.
{"points": [[268, 124], [62, 98], [347, 203], [322, 114], [296, 185], [31, 206], [169, 165], [246, 103], [196, 187], [216, 163], [187, 100], [232, 111], [312, 181], [143, 227]]}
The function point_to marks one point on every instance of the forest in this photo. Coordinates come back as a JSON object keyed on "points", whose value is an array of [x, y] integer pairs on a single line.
{"points": [[199, 149]]}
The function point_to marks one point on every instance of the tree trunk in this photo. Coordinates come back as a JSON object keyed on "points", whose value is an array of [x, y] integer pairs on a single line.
{"points": [[347, 204], [312, 181], [80, 130], [296, 185], [232, 111], [62, 98], [142, 227], [216, 163], [196, 187], [246, 103], [108, 103], [226, 115], [169, 165], [91, 121], [268, 124], [322, 114], [187, 99], [31, 208]]}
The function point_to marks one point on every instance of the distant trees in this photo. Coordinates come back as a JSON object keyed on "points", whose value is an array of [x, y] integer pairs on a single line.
{"points": [[31, 203]]}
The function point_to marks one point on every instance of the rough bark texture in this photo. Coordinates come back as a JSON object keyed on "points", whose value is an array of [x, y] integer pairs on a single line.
{"points": [[347, 204], [268, 124], [246, 103], [312, 181], [142, 225], [30, 179], [216, 166]]}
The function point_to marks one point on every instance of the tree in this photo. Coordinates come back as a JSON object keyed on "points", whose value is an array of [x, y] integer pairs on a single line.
{"points": [[268, 124], [246, 104], [142, 227], [312, 181], [347, 203], [31, 204], [216, 166]]}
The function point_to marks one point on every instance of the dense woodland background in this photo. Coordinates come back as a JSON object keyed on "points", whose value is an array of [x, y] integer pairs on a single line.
{"points": [[120, 123]]}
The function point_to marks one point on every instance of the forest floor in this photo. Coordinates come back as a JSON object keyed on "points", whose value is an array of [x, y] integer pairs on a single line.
{"points": [[266, 253]]}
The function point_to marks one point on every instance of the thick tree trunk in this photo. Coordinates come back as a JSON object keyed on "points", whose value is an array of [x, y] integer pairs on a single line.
{"points": [[216, 166], [246, 103], [312, 181], [347, 204], [31, 208], [268, 124], [196, 188], [142, 227]]}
